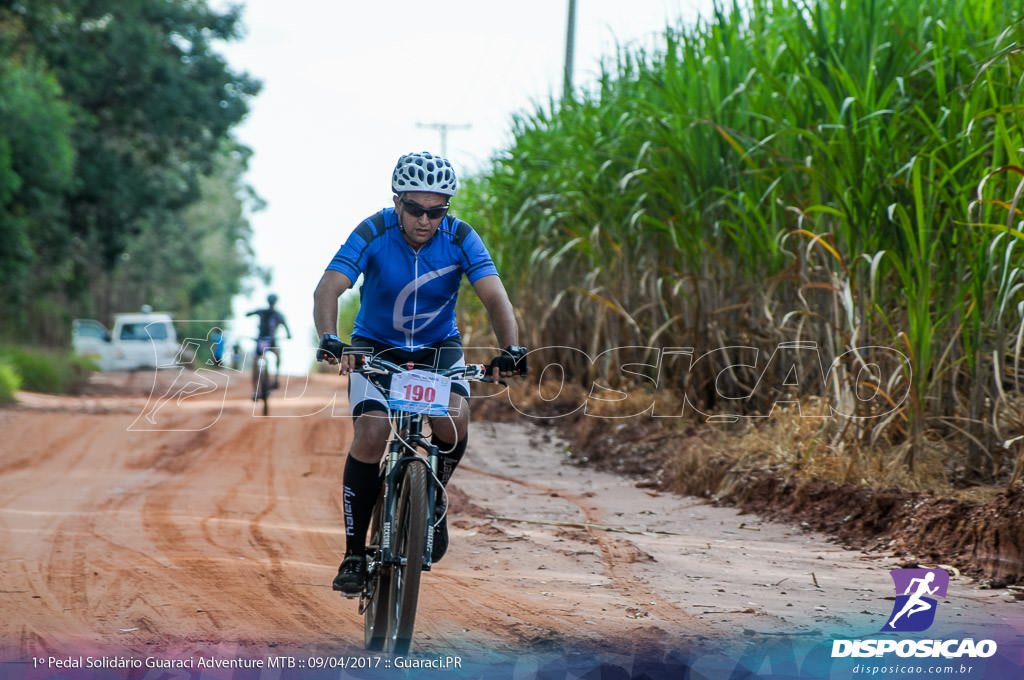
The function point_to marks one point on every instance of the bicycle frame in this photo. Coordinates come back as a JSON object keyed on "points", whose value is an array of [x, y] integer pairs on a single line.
{"points": [[406, 439], [405, 517], [408, 435]]}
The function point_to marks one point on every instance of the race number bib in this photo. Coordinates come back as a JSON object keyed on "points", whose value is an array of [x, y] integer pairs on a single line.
{"points": [[420, 392]]}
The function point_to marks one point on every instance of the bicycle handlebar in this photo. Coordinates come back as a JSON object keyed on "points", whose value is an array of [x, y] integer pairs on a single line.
{"points": [[470, 372]]}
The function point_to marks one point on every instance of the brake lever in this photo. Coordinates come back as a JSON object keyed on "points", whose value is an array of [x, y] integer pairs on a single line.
{"points": [[362, 364], [483, 373]]}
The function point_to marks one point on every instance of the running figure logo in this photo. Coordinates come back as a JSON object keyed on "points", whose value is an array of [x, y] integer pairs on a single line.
{"points": [[914, 611]]}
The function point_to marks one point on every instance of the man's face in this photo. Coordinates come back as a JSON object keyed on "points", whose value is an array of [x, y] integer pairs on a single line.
{"points": [[414, 215]]}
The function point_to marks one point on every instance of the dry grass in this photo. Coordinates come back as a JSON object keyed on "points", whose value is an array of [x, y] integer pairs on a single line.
{"points": [[711, 458]]}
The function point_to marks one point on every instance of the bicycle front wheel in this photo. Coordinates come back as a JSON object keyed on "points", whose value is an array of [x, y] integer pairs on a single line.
{"points": [[263, 385], [410, 546], [376, 604]]}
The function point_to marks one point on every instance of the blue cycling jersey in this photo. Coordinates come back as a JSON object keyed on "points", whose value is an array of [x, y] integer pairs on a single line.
{"points": [[407, 299]]}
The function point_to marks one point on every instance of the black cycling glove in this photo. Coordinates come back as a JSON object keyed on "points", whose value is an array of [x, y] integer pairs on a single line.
{"points": [[512, 358], [330, 346]]}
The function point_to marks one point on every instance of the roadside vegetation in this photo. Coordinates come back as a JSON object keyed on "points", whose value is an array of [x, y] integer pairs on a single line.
{"points": [[822, 200], [40, 370], [10, 382]]}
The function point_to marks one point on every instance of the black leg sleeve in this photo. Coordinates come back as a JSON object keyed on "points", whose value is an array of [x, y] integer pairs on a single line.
{"points": [[361, 485], [450, 460]]}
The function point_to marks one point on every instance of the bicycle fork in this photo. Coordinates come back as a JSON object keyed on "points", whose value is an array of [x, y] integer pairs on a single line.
{"points": [[395, 469]]}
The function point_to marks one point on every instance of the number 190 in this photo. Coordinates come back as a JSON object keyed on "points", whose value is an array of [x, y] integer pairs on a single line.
{"points": [[420, 393]]}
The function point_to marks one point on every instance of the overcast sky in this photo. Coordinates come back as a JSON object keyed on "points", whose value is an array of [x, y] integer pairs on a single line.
{"points": [[350, 87]]}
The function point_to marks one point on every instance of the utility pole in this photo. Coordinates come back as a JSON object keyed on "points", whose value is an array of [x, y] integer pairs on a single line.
{"points": [[570, 47], [444, 128]]}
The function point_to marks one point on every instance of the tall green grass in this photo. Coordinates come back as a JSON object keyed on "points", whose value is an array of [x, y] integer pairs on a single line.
{"points": [[43, 370], [10, 382], [843, 172]]}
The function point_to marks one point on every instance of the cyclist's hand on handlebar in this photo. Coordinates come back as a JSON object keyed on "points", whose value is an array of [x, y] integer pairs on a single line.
{"points": [[511, 361], [349, 363], [330, 349]]}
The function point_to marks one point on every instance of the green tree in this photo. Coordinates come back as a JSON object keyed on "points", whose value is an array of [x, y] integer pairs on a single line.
{"points": [[152, 102], [36, 166], [199, 270]]}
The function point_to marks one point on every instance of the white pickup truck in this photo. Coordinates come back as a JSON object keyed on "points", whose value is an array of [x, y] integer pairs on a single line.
{"points": [[140, 340]]}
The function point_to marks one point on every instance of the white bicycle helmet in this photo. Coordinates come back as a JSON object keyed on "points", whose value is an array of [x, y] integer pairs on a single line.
{"points": [[424, 172]]}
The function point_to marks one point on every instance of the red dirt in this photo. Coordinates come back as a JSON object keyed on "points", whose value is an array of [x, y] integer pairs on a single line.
{"points": [[142, 518], [981, 539]]}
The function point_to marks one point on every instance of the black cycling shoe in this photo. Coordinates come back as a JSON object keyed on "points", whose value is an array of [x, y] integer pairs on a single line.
{"points": [[351, 576], [440, 540]]}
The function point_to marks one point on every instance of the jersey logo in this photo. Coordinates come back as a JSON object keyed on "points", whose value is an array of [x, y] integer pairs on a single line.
{"points": [[406, 323]]}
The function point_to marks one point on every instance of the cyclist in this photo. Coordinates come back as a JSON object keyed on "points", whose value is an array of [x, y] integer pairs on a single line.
{"points": [[270, 321], [217, 346], [412, 257]]}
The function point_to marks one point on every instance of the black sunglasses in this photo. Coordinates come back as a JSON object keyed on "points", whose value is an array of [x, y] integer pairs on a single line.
{"points": [[417, 210]]}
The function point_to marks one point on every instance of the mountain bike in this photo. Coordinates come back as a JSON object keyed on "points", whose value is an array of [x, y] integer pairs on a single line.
{"points": [[262, 379], [412, 500]]}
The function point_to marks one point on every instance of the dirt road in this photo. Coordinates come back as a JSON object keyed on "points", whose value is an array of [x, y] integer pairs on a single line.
{"points": [[164, 517]]}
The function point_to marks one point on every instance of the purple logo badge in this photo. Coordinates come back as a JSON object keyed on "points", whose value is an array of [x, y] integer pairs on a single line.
{"points": [[914, 610]]}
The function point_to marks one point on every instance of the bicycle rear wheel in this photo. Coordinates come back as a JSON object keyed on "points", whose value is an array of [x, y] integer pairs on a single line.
{"points": [[410, 545], [378, 586], [263, 384]]}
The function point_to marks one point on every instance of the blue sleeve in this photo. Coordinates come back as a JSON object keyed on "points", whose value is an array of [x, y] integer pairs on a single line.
{"points": [[478, 261], [350, 259]]}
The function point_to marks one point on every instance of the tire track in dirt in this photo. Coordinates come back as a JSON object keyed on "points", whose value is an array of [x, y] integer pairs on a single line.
{"points": [[41, 451], [121, 575], [279, 575], [227, 497], [617, 554], [63, 511], [262, 590], [68, 575], [165, 528]]}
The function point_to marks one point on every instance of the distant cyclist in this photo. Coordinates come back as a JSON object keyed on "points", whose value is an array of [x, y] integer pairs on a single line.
{"points": [[270, 321], [217, 347], [412, 257]]}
